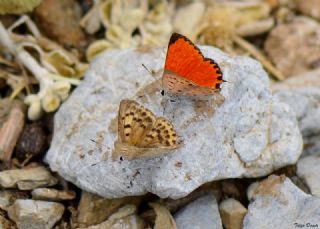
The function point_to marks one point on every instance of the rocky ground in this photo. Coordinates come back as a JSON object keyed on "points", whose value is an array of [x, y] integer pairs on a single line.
{"points": [[250, 157]]}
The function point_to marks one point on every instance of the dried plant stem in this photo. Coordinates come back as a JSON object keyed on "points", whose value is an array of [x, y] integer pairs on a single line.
{"points": [[26, 59], [259, 56], [30, 24], [45, 78], [10, 132]]}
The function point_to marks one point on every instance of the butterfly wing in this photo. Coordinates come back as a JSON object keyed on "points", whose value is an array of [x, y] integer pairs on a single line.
{"points": [[134, 122], [130, 152], [162, 135], [125, 117], [185, 60], [141, 134], [179, 85]]}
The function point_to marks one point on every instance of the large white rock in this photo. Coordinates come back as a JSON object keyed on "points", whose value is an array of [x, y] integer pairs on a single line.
{"points": [[308, 168], [302, 93], [203, 213], [278, 203], [250, 134]]}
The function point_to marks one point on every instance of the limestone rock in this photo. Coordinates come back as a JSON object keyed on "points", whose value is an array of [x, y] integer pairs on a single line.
{"points": [[308, 169], [52, 194], [35, 214], [164, 219], [278, 203], [250, 134], [251, 190], [94, 209], [8, 197], [125, 217], [27, 178], [302, 93], [299, 51], [232, 213], [202, 213]]}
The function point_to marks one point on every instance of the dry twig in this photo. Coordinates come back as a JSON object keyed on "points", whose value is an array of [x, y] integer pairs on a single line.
{"points": [[10, 132]]}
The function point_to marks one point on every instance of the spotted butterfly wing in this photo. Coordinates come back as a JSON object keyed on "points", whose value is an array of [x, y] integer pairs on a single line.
{"points": [[187, 71], [134, 122], [141, 133], [161, 135]]}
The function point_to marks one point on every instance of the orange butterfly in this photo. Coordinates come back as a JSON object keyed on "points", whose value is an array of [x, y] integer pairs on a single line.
{"points": [[187, 71]]}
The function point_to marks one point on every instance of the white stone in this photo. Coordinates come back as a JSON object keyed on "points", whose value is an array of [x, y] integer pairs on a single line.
{"points": [[203, 213], [278, 203], [250, 134], [302, 93], [35, 214], [308, 168]]}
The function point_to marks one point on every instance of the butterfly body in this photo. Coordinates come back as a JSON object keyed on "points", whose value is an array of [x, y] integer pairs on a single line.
{"points": [[141, 133], [187, 71]]}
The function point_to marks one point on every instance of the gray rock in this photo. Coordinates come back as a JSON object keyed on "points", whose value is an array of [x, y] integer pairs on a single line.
{"points": [[250, 134], [308, 168], [27, 178], [302, 93], [278, 203], [35, 214], [203, 213]]}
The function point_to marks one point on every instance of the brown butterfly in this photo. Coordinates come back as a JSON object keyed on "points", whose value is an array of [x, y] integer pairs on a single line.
{"points": [[142, 134]]}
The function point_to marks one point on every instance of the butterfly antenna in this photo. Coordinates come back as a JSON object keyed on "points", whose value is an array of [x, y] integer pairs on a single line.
{"points": [[147, 69], [94, 164], [93, 140]]}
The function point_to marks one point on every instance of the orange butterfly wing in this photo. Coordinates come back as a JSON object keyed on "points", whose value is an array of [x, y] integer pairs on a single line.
{"points": [[186, 63]]}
